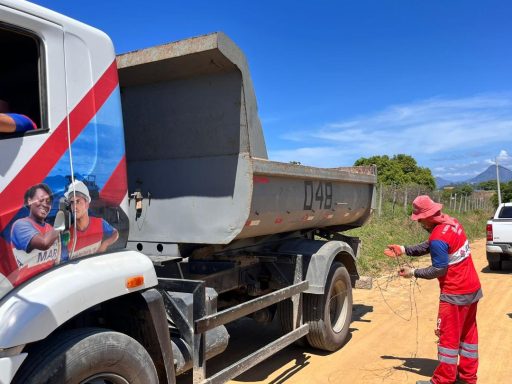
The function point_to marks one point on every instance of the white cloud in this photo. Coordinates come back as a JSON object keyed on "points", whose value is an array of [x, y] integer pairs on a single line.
{"points": [[314, 156], [429, 126], [504, 158], [429, 129]]}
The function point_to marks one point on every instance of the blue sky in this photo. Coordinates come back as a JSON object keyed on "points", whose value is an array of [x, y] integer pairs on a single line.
{"points": [[340, 80]]}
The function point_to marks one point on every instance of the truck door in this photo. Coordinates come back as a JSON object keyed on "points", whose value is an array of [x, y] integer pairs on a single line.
{"points": [[97, 190], [34, 159]]}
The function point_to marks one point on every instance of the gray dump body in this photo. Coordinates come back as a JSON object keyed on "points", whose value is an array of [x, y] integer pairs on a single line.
{"points": [[196, 152]]}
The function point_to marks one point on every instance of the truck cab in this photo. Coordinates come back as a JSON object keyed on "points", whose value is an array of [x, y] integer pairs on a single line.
{"points": [[62, 75]]}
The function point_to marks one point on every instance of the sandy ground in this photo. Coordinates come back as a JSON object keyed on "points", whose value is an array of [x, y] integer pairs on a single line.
{"points": [[392, 337]]}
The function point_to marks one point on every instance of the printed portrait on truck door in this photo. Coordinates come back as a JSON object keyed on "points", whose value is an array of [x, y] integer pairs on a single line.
{"points": [[35, 243], [88, 234]]}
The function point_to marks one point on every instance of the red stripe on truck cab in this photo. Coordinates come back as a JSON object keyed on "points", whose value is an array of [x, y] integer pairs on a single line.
{"points": [[115, 189], [38, 167]]}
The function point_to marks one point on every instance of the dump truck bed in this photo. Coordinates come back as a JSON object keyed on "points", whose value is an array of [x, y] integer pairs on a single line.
{"points": [[196, 154], [287, 197]]}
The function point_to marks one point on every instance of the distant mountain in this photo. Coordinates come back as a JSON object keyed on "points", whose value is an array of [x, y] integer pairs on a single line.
{"points": [[441, 183], [490, 174], [487, 175]]}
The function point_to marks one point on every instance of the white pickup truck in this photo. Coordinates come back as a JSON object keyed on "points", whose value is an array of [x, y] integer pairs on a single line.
{"points": [[499, 236]]}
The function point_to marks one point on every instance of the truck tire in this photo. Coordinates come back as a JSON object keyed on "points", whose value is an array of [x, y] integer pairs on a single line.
{"points": [[88, 356], [495, 265], [329, 314], [285, 315], [494, 261]]}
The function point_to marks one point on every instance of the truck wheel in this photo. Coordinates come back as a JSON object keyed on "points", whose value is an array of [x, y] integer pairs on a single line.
{"points": [[494, 260], [285, 314], [329, 314], [495, 265], [88, 356]]}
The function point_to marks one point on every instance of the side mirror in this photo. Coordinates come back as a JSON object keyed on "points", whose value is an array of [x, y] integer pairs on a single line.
{"points": [[60, 221]]}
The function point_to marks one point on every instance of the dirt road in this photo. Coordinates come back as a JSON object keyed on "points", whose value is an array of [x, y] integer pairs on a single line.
{"points": [[392, 338]]}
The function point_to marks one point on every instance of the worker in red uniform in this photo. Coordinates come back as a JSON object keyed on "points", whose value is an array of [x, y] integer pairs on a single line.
{"points": [[460, 287]]}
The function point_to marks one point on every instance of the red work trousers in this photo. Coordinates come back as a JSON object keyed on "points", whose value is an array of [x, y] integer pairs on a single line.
{"points": [[458, 344]]}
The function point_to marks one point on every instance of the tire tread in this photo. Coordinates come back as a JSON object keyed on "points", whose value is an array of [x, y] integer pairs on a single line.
{"points": [[43, 360]]}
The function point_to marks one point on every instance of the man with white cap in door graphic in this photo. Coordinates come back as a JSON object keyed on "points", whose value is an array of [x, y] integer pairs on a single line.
{"points": [[93, 234], [460, 287]]}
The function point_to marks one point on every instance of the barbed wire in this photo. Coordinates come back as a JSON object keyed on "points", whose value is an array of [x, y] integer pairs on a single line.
{"points": [[393, 199], [385, 283], [412, 285]]}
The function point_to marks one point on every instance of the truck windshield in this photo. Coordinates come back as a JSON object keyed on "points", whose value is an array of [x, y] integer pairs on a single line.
{"points": [[505, 213]]}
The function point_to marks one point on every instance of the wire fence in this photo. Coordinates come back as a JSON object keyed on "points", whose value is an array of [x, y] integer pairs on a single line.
{"points": [[393, 199]]}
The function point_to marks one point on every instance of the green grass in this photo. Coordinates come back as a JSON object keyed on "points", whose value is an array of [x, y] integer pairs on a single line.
{"points": [[398, 228]]}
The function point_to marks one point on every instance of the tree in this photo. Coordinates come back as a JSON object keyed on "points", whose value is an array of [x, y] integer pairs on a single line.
{"points": [[464, 189], [459, 190], [487, 185], [505, 188], [400, 170], [506, 193]]}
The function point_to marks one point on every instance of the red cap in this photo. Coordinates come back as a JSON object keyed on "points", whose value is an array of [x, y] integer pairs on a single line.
{"points": [[423, 206]]}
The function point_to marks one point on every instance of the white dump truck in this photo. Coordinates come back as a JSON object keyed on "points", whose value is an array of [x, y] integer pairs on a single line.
{"points": [[141, 214]]}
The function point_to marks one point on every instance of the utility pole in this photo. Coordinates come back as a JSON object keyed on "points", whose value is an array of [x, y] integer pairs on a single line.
{"points": [[498, 181]]}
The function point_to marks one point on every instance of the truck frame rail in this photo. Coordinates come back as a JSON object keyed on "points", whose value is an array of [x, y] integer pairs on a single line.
{"points": [[194, 333]]}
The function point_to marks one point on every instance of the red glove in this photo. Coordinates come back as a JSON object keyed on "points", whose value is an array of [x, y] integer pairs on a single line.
{"points": [[394, 250]]}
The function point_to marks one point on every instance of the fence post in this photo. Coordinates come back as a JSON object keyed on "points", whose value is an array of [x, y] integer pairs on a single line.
{"points": [[381, 186], [394, 200], [405, 200]]}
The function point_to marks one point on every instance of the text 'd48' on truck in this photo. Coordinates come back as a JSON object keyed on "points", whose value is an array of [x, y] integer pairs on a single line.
{"points": [[130, 236]]}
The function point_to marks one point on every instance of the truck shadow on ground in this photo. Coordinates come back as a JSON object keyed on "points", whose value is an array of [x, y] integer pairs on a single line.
{"points": [[506, 268], [504, 271], [359, 310], [246, 336], [417, 365]]}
